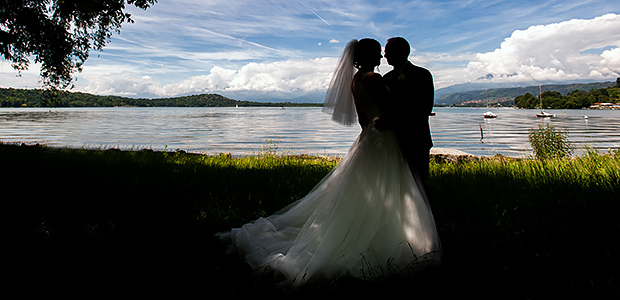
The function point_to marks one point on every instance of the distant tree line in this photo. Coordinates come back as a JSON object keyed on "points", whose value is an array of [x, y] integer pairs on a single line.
{"points": [[506, 96], [10, 97], [491, 102], [573, 100]]}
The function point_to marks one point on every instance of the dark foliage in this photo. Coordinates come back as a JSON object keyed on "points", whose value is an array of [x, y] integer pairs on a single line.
{"points": [[59, 34], [10, 97]]}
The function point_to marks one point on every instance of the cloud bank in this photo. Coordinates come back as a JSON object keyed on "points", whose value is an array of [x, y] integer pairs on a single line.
{"points": [[577, 49], [570, 50], [294, 77]]}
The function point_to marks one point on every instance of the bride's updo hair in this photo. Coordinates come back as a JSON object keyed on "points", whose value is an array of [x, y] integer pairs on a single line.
{"points": [[366, 52]]}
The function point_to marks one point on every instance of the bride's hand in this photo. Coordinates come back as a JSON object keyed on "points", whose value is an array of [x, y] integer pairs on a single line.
{"points": [[379, 123]]}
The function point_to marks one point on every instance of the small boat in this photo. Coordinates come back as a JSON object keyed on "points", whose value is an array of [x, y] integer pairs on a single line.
{"points": [[542, 113], [488, 115]]}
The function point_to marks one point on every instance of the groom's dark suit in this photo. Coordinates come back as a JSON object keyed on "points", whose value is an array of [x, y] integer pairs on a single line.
{"points": [[412, 97]]}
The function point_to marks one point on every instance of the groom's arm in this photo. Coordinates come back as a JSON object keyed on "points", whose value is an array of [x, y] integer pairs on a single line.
{"points": [[429, 93], [425, 91]]}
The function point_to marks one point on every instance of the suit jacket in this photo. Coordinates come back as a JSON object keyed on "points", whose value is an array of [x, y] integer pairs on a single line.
{"points": [[411, 102]]}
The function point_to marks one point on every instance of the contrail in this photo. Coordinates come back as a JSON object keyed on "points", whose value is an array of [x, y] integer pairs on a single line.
{"points": [[236, 39], [314, 12]]}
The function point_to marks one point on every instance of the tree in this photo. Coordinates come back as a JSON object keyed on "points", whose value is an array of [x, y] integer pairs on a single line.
{"points": [[578, 99], [526, 101], [551, 99], [59, 34]]}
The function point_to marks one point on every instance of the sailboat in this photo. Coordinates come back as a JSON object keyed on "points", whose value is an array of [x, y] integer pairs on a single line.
{"points": [[488, 114], [542, 114]]}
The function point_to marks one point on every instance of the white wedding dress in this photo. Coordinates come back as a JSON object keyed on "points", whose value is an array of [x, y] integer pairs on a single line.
{"points": [[369, 217]]}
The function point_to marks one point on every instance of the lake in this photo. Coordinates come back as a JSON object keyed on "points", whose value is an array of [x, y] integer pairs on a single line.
{"points": [[249, 131]]}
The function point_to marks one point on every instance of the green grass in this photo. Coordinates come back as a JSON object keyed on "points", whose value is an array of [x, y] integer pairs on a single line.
{"points": [[532, 226], [108, 222]]}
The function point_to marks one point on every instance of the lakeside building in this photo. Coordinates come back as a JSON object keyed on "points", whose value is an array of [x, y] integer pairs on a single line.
{"points": [[605, 106]]}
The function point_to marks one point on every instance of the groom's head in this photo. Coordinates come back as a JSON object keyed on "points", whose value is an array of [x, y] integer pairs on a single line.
{"points": [[397, 51]]}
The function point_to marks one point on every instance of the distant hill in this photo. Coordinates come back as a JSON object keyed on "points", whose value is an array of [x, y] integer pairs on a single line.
{"points": [[10, 97], [508, 94]]}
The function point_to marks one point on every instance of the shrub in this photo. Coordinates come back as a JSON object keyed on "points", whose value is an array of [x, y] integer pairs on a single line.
{"points": [[549, 142]]}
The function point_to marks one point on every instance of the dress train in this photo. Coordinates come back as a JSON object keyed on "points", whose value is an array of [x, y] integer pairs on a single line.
{"points": [[367, 218]]}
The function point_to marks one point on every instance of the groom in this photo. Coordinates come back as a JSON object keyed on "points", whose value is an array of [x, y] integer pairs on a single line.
{"points": [[412, 97]]}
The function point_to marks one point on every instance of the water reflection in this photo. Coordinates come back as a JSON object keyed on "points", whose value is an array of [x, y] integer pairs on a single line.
{"points": [[243, 131]]}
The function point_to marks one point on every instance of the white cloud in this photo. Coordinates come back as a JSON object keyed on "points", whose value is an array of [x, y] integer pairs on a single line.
{"points": [[554, 52], [25, 79], [204, 52], [120, 84], [289, 76]]}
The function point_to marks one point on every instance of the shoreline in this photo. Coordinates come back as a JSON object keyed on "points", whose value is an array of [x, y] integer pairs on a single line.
{"points": [[434, 152], [437, 155]]}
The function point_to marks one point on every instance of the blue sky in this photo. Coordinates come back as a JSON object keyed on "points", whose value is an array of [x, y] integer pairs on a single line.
{"points": [[286, 49]]}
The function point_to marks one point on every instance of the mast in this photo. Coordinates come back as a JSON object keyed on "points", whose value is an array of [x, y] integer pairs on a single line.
{"points": [[486, 97], [540, 97]]}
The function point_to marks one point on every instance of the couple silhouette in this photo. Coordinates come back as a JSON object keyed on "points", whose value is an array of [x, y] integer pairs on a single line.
{"points": [[369, 216], [410, 103]]}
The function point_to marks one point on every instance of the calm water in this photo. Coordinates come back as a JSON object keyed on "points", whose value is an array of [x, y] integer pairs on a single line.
{"points": [[246, 131]]}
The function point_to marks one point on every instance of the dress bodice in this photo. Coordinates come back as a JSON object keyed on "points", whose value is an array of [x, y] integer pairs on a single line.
{"points": [[368, 90]]}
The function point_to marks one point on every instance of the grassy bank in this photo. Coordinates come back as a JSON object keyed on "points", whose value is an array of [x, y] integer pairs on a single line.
{"points": [[86, 223]]}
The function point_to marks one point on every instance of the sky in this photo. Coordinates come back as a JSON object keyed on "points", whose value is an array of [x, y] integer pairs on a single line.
{"points": [[274, 50]]}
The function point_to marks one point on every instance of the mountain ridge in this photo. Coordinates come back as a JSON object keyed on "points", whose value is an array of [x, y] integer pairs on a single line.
{"points": [[453, 95], [505, 93]]}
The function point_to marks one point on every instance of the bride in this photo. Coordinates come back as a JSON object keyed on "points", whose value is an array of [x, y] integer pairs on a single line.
{"points": [[369, 217]]}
